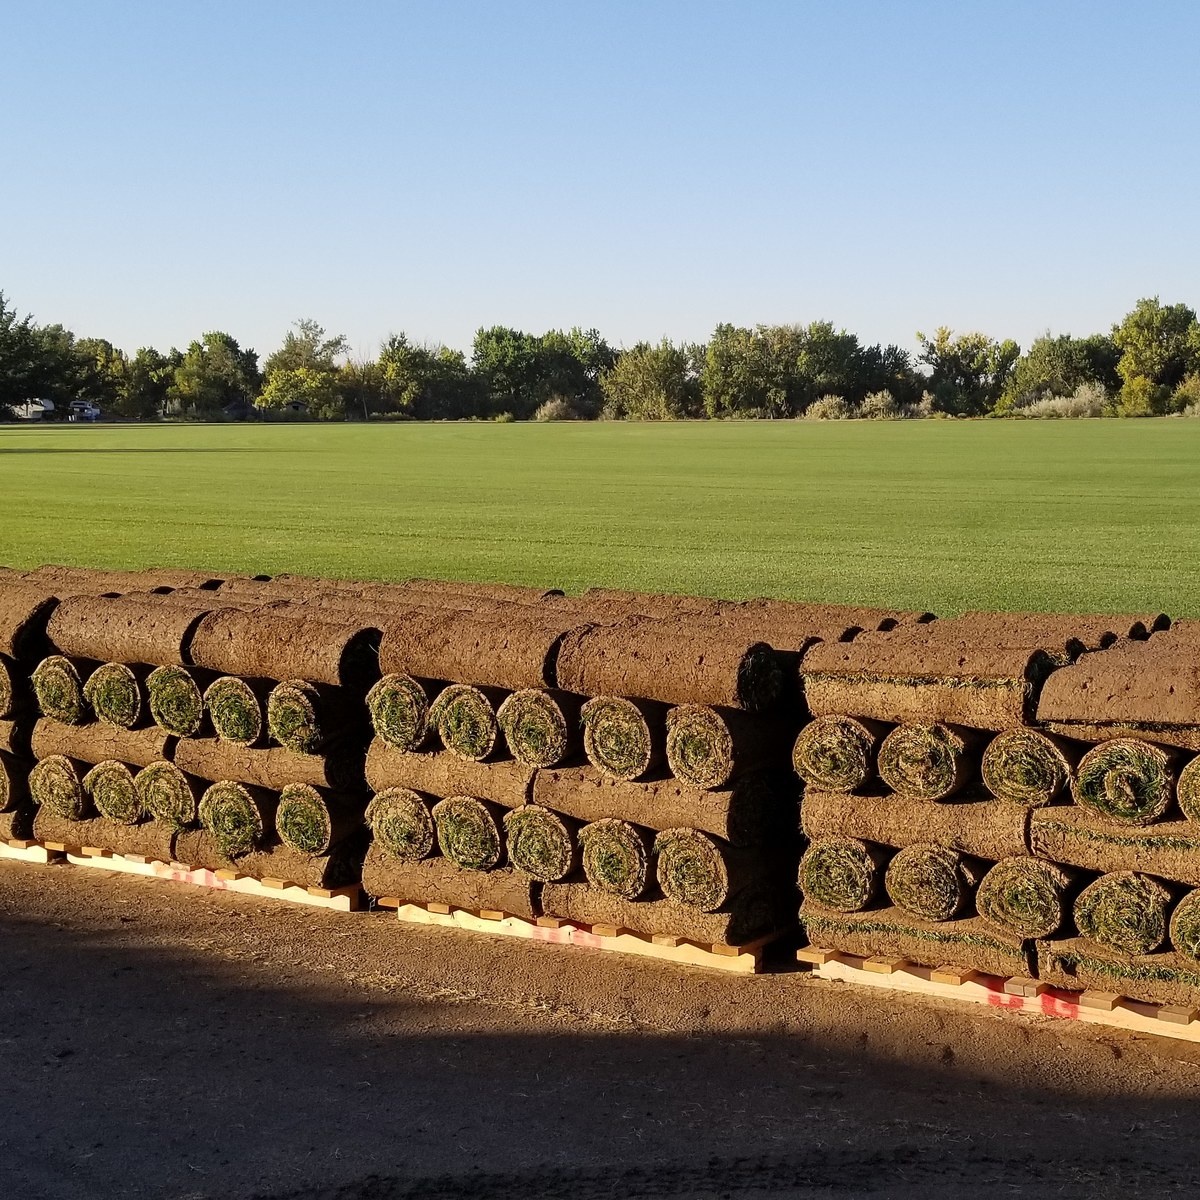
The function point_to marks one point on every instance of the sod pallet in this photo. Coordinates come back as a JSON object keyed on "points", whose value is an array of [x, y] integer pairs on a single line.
{"points": [[100, 742], [505, 782]]}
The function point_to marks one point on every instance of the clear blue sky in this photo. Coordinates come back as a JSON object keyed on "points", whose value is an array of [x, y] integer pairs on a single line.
{"points": [[647, 168]]}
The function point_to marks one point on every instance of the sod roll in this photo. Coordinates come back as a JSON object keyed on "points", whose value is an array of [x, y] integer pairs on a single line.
{"points": [[25, 609], [110, 786], [56, 784], [505, 782], [114, 691], [607, 604], [1184, 929], [927, 762], [342, 867], [169, 795], [756, 807], [1026, 896], [837, 754], [237, 816], [623, 738], [540, 726], [147, 839], [700, 871], [15, 736], [842, 873], [10, 686], [469, 832], [401, 823], [1126, 780], [465, 720], [991, 829], [616, 857], [671, 661], [268, 645], [1187, 790], [887, 932], [17, 824], [1026, 767], [235, 708], [92, 581], [1082, 965], [14, 783], [541, 843], [708, 746], [399, 709], [98, 742], [1080, 838], [58, 689], [312, 820], [500, 593], [273, 767], [306, 717], [931, 882], [176, 700], [440, 881], [1125, 911]]}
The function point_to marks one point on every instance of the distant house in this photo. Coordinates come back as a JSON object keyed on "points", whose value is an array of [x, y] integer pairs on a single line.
{"points": [[32, 410]]}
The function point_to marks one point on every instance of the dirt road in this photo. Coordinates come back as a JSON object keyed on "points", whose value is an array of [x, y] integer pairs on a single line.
{"points": [[165, 1041]]}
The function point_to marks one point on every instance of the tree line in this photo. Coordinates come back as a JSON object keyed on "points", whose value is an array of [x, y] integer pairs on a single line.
{"points": [[1148, 364]]}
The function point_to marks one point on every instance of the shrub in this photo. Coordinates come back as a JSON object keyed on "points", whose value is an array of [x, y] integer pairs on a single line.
{"points": [[558, 408], [1088, 400], [881, 406], [829, 408], [1185, 398]]}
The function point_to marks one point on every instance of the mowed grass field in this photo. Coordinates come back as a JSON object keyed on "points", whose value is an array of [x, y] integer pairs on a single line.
{"points": [[946, 515]]}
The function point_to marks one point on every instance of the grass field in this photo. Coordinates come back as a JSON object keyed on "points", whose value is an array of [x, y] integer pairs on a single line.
{"points": [[1101, 515]]}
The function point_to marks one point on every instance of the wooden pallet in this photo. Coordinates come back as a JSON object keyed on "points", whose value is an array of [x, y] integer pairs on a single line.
{"points": [[1017, 994], [29, 851], [344, 899], [744, 960]]}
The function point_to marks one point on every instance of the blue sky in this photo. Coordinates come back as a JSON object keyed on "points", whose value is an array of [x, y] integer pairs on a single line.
{"points": [[645, 168]]}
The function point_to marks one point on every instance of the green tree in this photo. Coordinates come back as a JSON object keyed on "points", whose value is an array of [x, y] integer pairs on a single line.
{"points": [[20, 357], [1159, 344], [1059, 366], [101, 373], [308, 347], [967, 373], [148, 381], [213, 373], [314, 387], [428, 383], [653, 383]]}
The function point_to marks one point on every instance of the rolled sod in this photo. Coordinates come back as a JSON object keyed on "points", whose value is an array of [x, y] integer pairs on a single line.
{"points": [[931, 882], [147, 839], [983, 828], [439, 881], [15, 736], [1187, 790], [511, 647], [311, 820], [306, 717], [541, 843], [17, 824], [540, 727], [99, 742], [708, 746], [110, 785], [92, 581], [842, 873], [237, 816], [465, 720], [142, 628], [169, 795], [176, 700], [623, 738], [342, 867], [267, 645], [610, 603], [10, 688], [469, 832], [616, 857], [837, 754], [1184, 929], [1124, 911], [272, 767], [399, 708], [56, 784], [1025, 896], [235, 708], [966, 942], [59, 691], [753, 913], [756, 807], [1026, 767], [1081, 965], [114, 692], [503, 593], [1080, 838], [927, 762], [401, 822], [14, 784], [700, 871], [25, 608], [1126, 780], [674, 661], [505, 782]]}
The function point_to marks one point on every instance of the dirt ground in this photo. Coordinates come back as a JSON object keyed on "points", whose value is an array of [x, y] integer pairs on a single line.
{"points": [[160, 1040]]}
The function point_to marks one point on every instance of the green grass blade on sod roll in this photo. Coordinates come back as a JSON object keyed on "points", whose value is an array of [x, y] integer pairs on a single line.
{"points": [[842, 873], [235, 708], [1187, 790], [59, 691], [465, 719], [401, 822], [1185, 925], [56, 784], [693, 869], [9, 688], [1124, 911], [111, 788], [708, 746], [616, 857], [837, 754], [623, 738], [168, 795], [539, 726], [1026, 767], [114, 691], [399, 708], [468, 832], [932, 882], [1026, 896], [237, 815], [312, 821], [926, 762], [1126, 780], [176, 701], [541, 843]]}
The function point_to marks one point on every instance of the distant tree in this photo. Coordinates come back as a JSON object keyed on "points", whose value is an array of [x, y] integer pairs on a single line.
{"points": [[428, 383], [148, 380], [308, 347], [1059, 366], [19, 357], [314, 387], [968, 372], [753, 372], [102, 373], [1159, 345], [653, 383], [213, 373], [520, 371]]}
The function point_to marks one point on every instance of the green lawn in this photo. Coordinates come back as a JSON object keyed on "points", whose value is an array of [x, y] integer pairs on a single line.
{"points": [[1100, 515]]}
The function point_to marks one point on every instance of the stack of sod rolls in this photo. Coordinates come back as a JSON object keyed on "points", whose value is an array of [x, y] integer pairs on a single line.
{"points": [[926, 773]]}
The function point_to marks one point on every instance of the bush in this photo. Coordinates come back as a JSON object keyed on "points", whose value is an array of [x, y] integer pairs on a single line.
{"points": [[1185, 398], [1088, 400], [881, 406], [829, 408], [558, 408]]}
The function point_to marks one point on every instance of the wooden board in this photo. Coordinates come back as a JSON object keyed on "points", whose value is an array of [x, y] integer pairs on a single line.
{"points": [[743, 960], [1008, 995], [30, 852]]}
